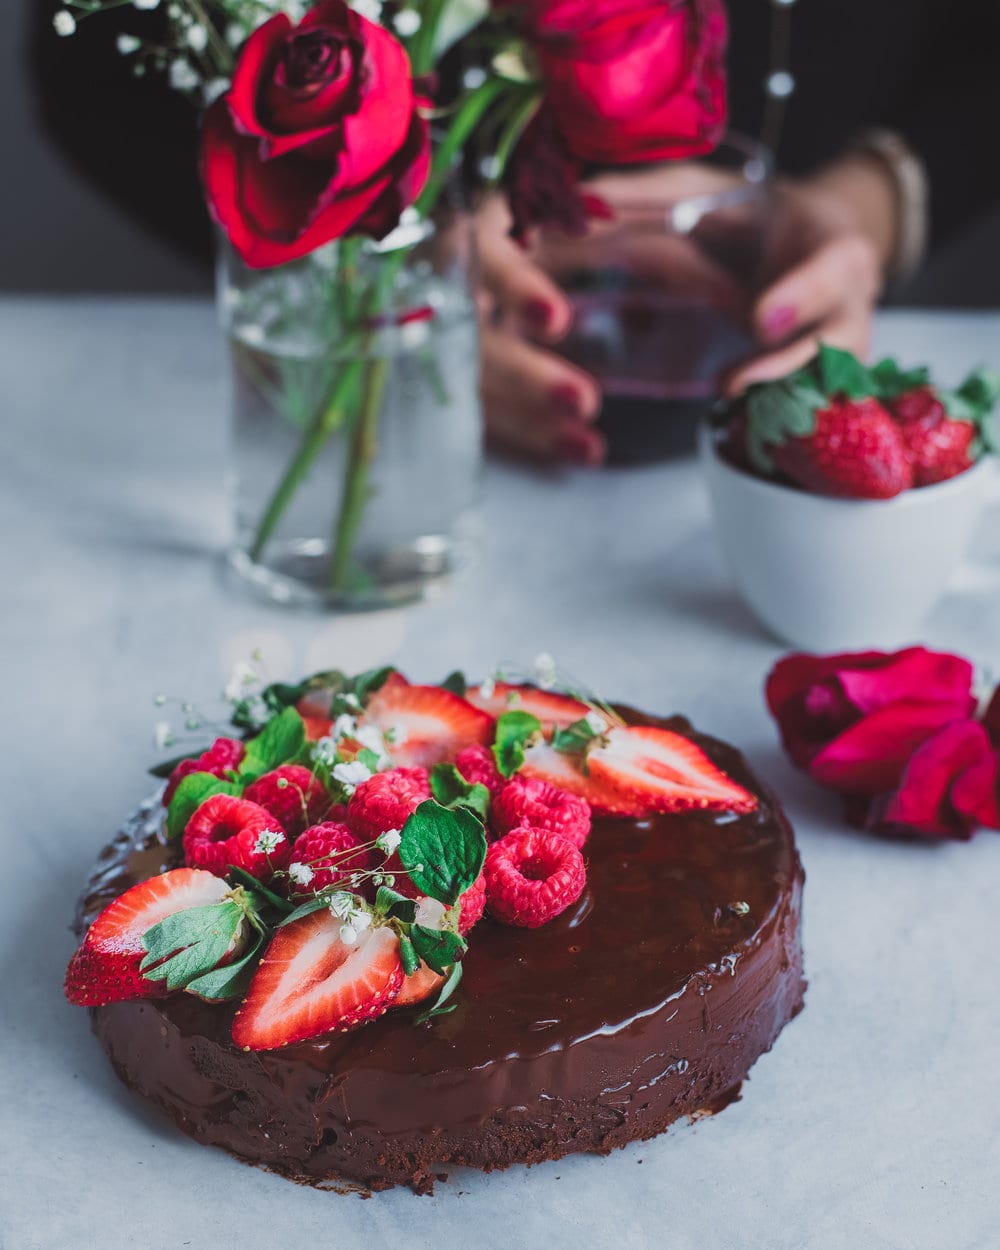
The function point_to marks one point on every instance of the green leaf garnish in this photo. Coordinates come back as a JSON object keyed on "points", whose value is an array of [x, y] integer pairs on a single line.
{"points": [[438, 948], [194, 789], [394, 906], [889, 380], [777, 411], [366, 684], [456, 683], [232, 980], [575, 738], [451, 789], [281, 740], [514, 731], [443, 850], [304, 909], [370, 760], [409, 957], [190, 943], [439, 1008], [250, 883]]}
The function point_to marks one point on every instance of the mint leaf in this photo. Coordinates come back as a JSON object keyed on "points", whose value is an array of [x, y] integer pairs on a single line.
{"points": [[889, 381], [438, 948], [189, 796], [409, 957], [449, 987], [456, 683], [443, 850], [167, 767], [281, 740], [451, 789], [394, 906], [190, 942], [776, 412], [232, 980], [304, 909], [575, 738], [370, 760], [514, 730], [841, 373]]}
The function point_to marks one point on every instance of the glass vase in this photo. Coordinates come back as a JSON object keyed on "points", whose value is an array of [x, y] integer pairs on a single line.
{"points": [[356, 422]]}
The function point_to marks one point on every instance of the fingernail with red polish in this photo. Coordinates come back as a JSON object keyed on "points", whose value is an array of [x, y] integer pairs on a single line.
{"points": [[579, 447], [538, 312], [566, 399], [779, 322]]}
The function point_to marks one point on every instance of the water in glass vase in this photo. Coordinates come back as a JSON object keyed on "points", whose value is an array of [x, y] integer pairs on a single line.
{"points": [[357, 439]]}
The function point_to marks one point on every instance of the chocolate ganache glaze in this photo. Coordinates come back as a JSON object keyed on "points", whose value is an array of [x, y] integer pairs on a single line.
{"points": [[650, 999]]}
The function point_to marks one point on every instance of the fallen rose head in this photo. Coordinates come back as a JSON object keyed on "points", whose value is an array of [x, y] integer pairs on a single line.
{"points": [[633, 80], [319, 136], [852, 721]]}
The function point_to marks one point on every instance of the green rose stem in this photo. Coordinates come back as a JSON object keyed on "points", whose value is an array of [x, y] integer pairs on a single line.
{"points": [[355, 493]]}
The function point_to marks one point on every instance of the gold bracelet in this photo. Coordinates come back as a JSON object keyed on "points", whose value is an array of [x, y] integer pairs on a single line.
{"points": [[909, 178]]}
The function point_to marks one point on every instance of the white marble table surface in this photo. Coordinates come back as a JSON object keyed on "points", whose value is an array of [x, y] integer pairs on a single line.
{"points": [[874, 1122]]}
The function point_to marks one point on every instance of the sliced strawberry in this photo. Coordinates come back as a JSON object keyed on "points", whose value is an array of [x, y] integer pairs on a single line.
{"points": [[418, 986], [565, 772], [106, 967], [426, 724], [554, 710], [665, 772], [310, 983]]}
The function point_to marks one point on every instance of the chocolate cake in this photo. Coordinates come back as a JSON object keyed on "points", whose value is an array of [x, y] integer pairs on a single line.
{"points": [[647, 1000]]}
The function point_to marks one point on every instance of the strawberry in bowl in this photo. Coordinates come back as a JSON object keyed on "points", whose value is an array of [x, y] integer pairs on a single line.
{"points": [[844, 496]]}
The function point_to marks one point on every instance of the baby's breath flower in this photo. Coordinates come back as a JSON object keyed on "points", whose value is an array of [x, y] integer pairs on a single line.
{"points": [[596, 721], [146, 4], [197, 37], [389, 841], [268, 841], [64, 23], [487, 687], [372, 9], [162, 735], [127, 44], [300, 874], [325, 752], [407, 22], [212, 89], [361, 920], [343, 727], [350, 776], [242, 674], [348, 934]]}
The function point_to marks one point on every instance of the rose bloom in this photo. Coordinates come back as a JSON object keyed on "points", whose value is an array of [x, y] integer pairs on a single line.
{"points": [[318, 136], [853, 721], [633, 80]]}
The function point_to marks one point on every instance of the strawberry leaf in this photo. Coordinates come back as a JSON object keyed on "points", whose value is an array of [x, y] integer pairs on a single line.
{"points": [[575, 738], [281, 740], [514, 731], [368, 683], [451, 790], [189, 796], [456, 683], [841, 373], [443, 850], [449, 987], [240, 877], [776, 412], [438, 948], [305, 909], [889, 381], [190, 943], [232, 980], [394, 906]]}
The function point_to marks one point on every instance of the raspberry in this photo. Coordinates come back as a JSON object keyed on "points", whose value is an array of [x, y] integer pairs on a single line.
{"points": [[326, 850], [473, 903], [297, 803], [221, 757], [529, 801], [225, 830], [476, 764], [531, 876], [384, 801]]}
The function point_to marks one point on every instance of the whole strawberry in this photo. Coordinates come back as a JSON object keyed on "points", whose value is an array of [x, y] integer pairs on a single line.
{"points": [[946, 432]]}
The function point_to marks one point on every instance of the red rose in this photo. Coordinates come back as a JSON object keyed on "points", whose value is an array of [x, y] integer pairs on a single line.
{"points": [[633, 80], [943, 787], [317, 137], [853, 721]]}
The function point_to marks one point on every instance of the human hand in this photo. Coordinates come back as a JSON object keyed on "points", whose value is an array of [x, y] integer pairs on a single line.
{"points": [[831, 240]]}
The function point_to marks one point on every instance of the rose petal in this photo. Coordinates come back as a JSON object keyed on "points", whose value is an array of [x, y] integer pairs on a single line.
{"points": [[915, 673], [976, 792], [408, 171], [254, 64], [921, 803], [992, 718], [869, 757]]}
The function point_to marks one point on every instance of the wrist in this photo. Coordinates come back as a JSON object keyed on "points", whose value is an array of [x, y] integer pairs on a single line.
{"points": [[859, 191]]}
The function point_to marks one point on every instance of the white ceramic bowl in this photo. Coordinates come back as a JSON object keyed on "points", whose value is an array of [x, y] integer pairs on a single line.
{"points": [[841, 574]]}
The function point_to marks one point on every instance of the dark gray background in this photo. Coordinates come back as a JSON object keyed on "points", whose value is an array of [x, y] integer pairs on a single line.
{"points": [[59, 234]]}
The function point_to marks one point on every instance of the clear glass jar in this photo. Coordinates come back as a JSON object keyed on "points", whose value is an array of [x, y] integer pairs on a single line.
{"points": [[356, 421]]}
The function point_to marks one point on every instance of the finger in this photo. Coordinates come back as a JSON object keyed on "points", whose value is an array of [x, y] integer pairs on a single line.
{"points": [[528, 298], [850, 328], [841, 272], [537, 402]]}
